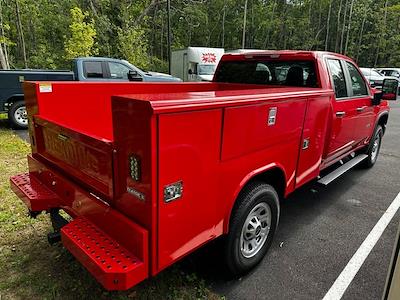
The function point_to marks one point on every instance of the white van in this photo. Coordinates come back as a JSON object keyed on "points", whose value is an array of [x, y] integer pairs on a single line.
{"points": [[195, 63]]}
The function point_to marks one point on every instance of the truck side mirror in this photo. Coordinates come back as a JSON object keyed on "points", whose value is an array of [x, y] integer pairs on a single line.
{"points": [[377, 98], [134, 76], [390, 89]]}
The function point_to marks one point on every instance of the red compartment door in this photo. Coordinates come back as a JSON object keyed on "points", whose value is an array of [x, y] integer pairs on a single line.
{"points": [[189, 147]]}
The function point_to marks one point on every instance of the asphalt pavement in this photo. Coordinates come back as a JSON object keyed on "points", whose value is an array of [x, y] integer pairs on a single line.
{"points": [[320, 229]]}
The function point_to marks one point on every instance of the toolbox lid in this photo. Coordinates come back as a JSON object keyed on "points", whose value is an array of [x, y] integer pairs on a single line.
{"points": [[168, 102]]}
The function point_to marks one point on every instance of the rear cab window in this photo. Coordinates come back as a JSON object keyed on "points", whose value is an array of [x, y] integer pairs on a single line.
{"points": [[301, 73], [93, 69]]}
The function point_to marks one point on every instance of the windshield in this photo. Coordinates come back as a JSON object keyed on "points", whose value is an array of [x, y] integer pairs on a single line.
{"points": [[206, 69], [375, 73], [368, 72], [289, 73]]}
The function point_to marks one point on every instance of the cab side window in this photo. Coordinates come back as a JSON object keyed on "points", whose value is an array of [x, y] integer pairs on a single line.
{"points": [[338, 78], [118, 71], [358, 85]]}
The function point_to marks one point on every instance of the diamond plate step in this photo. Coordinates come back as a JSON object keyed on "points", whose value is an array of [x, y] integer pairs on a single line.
{"points": [[36, 195], [113, 265]]}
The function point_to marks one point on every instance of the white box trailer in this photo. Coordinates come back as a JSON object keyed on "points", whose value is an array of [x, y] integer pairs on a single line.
{"points": [[195, 63]]}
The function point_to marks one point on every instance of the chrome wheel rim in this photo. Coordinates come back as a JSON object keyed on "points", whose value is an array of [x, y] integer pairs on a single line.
{"points": [[375, 148], [255, 230], [20, 116]]}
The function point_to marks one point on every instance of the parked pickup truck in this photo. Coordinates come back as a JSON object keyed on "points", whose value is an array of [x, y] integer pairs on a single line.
{"points": [[84, 69], [156, 170]]}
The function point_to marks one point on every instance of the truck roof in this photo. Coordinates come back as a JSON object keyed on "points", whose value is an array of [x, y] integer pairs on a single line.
{"points": [[278, 53], [188, 101], [98, 58]]}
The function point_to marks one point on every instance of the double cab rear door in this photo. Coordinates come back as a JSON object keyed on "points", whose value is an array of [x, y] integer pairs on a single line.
{"points": [[353, 113]]}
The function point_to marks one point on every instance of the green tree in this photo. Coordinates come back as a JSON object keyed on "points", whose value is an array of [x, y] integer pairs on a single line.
{"points": [[82, 35], [132, 44], [52, 31]]}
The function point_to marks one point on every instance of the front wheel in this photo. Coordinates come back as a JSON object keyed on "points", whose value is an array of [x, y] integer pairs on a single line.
{"points": [[373, 148], [252, 227], [17, 115]]}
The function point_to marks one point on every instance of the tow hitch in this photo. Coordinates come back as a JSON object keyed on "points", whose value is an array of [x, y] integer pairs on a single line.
{"points": [[58, 222]]}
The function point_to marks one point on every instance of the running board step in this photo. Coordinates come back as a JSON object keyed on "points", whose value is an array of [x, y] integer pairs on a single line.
{"points": [[342, 169]]}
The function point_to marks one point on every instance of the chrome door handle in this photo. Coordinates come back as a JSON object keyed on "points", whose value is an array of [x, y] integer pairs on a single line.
{"points": [[360, 109], [340, 114]]}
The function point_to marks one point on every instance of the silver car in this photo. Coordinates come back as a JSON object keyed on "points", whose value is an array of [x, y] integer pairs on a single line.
{"points": [[393, 72], [375, 78]]}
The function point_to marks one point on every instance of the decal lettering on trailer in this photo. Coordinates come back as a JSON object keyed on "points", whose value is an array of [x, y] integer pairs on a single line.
{"points": [[60, 146]]}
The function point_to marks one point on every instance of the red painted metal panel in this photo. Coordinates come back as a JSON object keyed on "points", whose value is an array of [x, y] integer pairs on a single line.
{"points": [[251, 147], [213, 137], [86, 106], [135, 134], [343, 130], [83, 157], [36, 196], [189, 151], [313, 139], [114, 266], [95, 225], [246, 128], [192, 101], [366, 119]]}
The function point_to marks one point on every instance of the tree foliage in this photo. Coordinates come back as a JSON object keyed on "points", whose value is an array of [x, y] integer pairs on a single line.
{"points": [[82, 35], [52, 32]]}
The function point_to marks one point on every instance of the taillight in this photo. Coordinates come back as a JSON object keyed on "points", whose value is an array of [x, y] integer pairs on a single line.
{"points": [[134, 167]]}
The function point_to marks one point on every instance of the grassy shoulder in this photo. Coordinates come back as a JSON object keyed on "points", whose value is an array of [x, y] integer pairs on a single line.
{"points": [[32, 269]]}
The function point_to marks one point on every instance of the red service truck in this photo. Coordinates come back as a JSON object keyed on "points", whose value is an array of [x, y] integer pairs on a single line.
{"points": [[157, 170]]}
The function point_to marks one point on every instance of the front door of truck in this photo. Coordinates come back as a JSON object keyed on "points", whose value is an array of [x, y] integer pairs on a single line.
{"points": [[361, 97], [344, 112]]}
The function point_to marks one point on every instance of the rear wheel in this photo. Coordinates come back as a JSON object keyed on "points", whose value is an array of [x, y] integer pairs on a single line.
{"points": [[373, 148], [252, 227], [18, 116]]}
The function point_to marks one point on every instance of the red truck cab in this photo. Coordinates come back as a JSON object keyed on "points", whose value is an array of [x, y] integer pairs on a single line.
{"points": [[159, 169]]}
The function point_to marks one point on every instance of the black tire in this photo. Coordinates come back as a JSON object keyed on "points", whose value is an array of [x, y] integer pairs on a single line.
{"points": [[252, 196], [373, 149], [18, 120]]}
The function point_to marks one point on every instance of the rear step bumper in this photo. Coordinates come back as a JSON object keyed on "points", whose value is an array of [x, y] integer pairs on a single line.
{"points": [[110, 246], [36, 196], [115, 267]]}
